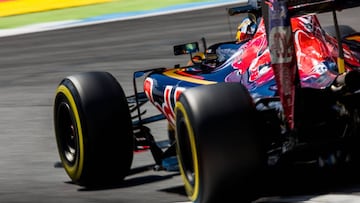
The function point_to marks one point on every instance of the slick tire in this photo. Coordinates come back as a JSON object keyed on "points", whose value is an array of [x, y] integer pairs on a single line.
{"points": [[219, 149], [93, 129]]}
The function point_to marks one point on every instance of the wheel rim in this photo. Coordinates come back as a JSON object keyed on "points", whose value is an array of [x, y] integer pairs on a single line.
{"points": [[68, 138], [187, 157], [187, 152]]}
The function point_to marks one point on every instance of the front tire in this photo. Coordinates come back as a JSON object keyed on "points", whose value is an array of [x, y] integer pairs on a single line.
{"points": [[93, 129], [219, 151]]}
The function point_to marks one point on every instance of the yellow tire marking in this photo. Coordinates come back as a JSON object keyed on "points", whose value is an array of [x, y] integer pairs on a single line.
{"points": [[76, 170], [192, 192]]}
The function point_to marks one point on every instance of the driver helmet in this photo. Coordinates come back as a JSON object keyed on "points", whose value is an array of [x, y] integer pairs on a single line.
{"points": [[246, 28]]}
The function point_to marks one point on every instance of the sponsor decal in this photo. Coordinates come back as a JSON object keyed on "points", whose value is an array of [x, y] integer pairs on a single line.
{"points": [[281, 51], [170, 96], [148, 87]]}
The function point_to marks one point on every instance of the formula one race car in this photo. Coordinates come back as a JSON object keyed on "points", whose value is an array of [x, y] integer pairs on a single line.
{"points": [[288, 95]]}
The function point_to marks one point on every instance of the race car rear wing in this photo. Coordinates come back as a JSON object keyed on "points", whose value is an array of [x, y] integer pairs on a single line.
{"points": [[277, 14], [303, 7]]}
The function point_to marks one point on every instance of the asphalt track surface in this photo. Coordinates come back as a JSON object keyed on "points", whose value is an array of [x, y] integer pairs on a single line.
{"points": [[32, 65]]}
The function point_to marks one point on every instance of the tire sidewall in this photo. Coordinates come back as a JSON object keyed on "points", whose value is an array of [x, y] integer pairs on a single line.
{"points": [[103, 123], [64, 94], [223, 131]]}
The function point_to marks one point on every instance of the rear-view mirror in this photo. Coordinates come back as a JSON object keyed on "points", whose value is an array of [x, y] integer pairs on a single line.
{"points": [[186, 48]]}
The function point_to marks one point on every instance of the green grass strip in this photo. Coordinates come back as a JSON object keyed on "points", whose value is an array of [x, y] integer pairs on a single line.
{"points": [[116, 6]]}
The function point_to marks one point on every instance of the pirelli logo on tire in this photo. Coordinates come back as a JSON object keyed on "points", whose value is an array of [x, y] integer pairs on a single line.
{"points": [[18, 7]]}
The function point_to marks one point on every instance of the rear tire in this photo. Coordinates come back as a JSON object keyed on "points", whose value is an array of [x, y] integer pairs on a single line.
{"points": [[219, 151], [93, 129]]}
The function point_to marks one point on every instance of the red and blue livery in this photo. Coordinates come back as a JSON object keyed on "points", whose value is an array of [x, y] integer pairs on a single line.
{"points": [[238, 113]]}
